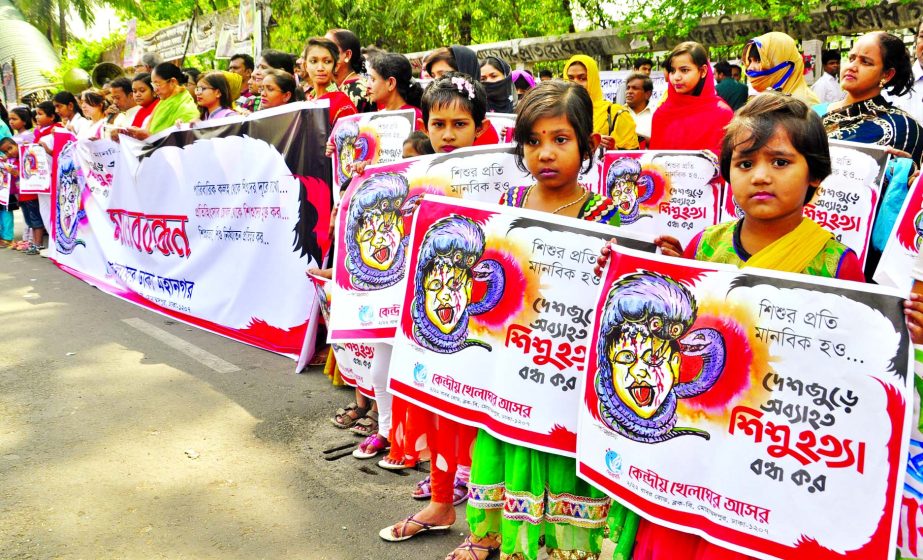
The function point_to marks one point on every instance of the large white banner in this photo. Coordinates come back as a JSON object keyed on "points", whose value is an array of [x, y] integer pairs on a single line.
{"points": [[214, 226], [766, 412]]}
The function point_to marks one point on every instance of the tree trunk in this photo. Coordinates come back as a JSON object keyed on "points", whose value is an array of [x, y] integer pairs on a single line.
{"points": [[464, 29], [570, 16], [62, 24]]}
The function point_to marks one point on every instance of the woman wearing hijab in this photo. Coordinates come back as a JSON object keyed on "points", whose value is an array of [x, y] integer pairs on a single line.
{"points": [[496, 78], [773, 62], [452, 59], [461, 59], [522, 81], [693, 117], [610, 120]]}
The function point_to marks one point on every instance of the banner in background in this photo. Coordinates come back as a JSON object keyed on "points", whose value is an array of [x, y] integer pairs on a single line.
{"points": [[497, 317], [845, 202], [613, 84], [375, 138], [373, 224], [767, 412], [214, 226], [676, 193], [904, 243], [8, 79], [34, 169], [131, 53]]}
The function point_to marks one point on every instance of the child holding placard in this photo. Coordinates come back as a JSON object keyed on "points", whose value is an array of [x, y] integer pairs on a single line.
{"points": [[774, 155], [454, 107], [517, 494]]}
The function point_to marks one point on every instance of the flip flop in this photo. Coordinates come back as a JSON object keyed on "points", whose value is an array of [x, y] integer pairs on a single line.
{"points": [[460, 492], [389, 466], [423, 491], [469, 547], [388, 532], [373, 445]]}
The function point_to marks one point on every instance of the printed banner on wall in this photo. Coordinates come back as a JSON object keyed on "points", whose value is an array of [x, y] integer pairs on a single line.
{"points": [[373, 223], [496, 318], [767, 412], [675, 193], [613, 85], [212, 226], [376, 138], [904, 243], [34, 169], [845, 202]]}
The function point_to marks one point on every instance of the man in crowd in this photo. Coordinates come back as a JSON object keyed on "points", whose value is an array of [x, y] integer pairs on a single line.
{"points": [[641, 66], [827, 87], [242, 65], [148, 61], [545, 75], [638, 90], [736, 72], [122, 110], [733, 92]]}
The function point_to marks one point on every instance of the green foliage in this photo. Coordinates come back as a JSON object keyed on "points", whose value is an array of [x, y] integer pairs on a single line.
{"points": [[412, 25], [85, 54]]}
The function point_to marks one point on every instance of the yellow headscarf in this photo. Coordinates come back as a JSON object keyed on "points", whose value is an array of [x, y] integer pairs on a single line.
{"points": [[783, 67], [595, 89], [235, 82]]}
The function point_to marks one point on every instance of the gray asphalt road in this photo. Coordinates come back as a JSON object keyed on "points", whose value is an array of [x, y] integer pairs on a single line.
{"points": [[115, 445]]}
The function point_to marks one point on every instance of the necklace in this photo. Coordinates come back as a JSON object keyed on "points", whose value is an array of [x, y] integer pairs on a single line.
{"points": [[525, 199]]}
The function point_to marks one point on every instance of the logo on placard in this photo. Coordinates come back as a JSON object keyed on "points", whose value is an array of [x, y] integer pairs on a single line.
{"points": [[419, 374], [613, 463], [366, 315]]}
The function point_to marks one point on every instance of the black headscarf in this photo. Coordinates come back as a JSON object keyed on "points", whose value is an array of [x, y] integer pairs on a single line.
{"points": [[466, 61], [500, 95]]}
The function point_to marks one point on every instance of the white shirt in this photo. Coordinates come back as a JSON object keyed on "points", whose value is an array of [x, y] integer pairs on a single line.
{"points": [[912, 102], [643, 120], [828, 89]]}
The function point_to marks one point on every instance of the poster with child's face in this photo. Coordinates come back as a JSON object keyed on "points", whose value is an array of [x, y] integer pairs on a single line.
{"points": [[675, 193], [373, 224], [34, 169], [374, 138], [846, 200], [764, 411]]}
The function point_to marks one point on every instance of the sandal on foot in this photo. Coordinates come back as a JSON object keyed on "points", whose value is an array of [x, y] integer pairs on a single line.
{"points": [[372, 446], [423, 491], [388, 464], [460, 493], [367, 426], [347, 417], [472, 551], [391, 534]]}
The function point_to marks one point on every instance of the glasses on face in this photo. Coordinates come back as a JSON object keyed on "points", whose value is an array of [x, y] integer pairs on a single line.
{"points": [[200, 89]]}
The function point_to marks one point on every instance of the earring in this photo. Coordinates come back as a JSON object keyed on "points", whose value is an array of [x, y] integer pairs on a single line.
{"points": [[881, 84]]}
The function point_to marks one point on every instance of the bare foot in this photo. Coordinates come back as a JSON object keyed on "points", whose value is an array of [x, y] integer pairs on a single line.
{"points": [[434, 514]]}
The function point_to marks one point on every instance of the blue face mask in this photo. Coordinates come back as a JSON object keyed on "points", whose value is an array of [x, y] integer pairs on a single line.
{"points": [[773, 70]]}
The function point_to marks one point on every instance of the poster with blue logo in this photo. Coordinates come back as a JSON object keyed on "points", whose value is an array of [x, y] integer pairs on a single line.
{"points": [[767, 412]]}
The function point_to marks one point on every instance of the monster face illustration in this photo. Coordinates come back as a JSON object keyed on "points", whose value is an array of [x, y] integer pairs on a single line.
{"points": [[446, 270], [69, 212], [644, 369], [447, 291], [380, 233], [643, 340], [375, 242], [918, 229], [628, 188], [351, 147]]}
